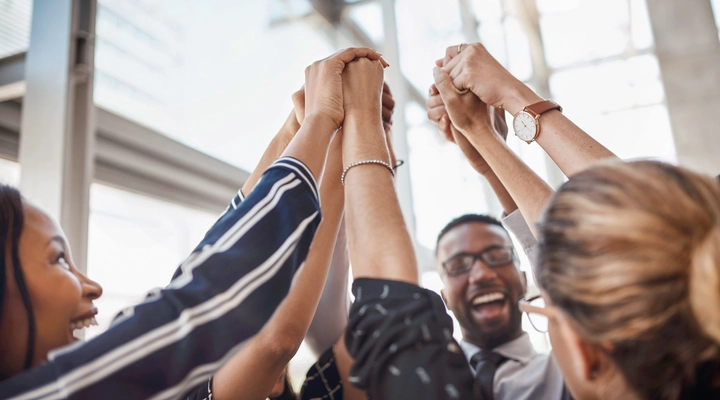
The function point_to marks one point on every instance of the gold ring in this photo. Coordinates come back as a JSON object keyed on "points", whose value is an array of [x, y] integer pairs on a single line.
{"points": [[460, 47]]}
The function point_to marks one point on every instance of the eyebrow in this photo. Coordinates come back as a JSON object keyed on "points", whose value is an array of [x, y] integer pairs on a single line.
{"points": [[59, 239]]}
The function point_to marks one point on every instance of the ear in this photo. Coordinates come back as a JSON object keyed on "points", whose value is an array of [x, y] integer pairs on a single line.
{"points": [[586, 357]]}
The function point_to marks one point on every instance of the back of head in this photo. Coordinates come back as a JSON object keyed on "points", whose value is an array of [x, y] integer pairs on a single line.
{"points": [[631, 253]]}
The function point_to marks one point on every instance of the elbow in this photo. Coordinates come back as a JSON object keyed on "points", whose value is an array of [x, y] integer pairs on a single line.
{"points": [[285, 346]]}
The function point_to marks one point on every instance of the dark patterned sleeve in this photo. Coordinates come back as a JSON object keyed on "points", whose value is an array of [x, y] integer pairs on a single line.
{"points": [[400, 336], [202, 392]]}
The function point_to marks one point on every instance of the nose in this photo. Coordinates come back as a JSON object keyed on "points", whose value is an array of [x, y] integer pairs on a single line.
{"points": [[90, 289], [481, 272]]}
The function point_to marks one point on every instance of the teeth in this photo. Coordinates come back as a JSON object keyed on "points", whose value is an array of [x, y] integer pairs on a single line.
{"points": [[85, 323], [487, 298]]}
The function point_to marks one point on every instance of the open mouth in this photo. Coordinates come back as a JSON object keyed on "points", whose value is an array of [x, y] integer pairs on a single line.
{"points": [[84, 321], [489, 305]]}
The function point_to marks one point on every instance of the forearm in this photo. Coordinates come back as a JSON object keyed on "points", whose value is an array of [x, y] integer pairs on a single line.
{"points": [[572, 149], [213, 299], [506, 201], [252, 373], [525, 187], [311, 142], [378, 240], [272, 152], [332, 311]]}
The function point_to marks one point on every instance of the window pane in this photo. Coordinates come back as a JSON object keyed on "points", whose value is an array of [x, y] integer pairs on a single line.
{"points": [[582, 31], [425, 29], [215, 75], [135, 244], [15, 18], [9, 172], [716, 11], [444, 184], [609, 86]]}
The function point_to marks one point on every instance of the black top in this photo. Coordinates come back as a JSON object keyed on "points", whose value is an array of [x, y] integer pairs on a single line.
{"points": [[400, 336]]}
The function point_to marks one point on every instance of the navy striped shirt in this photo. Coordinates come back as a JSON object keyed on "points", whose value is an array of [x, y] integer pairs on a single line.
{"points": [[219, 298]]}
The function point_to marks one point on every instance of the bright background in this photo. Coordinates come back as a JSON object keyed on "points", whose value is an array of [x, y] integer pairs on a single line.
{"points": [[217, 75]]}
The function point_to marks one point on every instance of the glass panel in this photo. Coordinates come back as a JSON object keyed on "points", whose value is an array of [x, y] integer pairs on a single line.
{"points": [[582, 31], [216, 75], [716, 11], [369, 17], [135, 244], [444, 184], [15, 16], [621, 104], [609, 86], [425, 29], [9, 172]]}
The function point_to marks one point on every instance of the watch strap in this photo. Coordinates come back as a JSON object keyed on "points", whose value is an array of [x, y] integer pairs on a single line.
{"points": [[542, 107]]}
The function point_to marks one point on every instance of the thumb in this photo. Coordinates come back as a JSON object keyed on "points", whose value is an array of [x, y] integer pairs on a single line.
{"points": [[448, 92]]}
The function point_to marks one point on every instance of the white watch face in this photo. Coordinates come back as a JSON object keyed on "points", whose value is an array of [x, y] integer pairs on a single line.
{"points": [[525, 126]]}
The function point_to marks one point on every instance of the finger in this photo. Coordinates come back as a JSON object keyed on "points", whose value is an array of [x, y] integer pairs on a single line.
{"points": [[433, 90], [450, 65], [445, 86], [387, 115], [388, 101], [440, 62], [444, 127], [434, 114], [386, 89], [434, 101], [384, 63], [350, 54], [450, 53]]}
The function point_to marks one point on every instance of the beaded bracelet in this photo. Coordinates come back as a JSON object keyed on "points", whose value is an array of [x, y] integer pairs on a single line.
{"points": [[356, 163]]}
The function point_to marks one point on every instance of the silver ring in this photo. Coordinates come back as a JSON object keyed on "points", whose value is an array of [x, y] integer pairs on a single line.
{"points": [[460, 47]]}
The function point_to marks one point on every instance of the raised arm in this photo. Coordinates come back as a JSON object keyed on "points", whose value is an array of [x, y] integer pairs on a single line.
{"points": [[475, 69], [398, 334], [470, 116], [323, 106], [252, 372], [437, 113]]}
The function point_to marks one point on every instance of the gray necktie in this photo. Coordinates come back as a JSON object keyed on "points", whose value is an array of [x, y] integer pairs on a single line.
{"points": [[486, 364]]}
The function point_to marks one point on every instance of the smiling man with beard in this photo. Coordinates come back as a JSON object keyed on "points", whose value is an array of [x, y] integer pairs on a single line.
{"points": [[483, 284]]}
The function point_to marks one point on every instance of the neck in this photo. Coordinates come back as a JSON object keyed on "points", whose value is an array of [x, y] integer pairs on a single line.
{"points": [[489, 342]]}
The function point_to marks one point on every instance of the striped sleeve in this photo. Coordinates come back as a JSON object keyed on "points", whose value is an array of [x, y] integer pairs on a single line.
{"points": [[221, 296]]}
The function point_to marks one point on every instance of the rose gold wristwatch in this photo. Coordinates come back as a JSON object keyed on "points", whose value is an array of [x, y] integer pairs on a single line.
{"points": [[527, 122]]}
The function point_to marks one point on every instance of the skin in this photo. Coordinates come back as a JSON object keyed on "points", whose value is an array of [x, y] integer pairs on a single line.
{"points": [[59, 292], [474, 69], [587, 370], [485, 326]]}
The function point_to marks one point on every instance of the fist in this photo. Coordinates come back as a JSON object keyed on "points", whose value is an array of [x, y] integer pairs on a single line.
{"points": [[362, 86]]}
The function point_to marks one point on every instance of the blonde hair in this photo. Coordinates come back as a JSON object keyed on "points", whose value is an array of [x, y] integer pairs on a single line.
{"points": [[631, 253]]}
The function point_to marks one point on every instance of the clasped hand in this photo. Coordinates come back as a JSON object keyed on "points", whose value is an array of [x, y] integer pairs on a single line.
{"points": [[348, 83]]}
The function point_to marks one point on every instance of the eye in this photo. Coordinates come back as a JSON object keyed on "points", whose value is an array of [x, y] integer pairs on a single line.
{"points": [[61, 260]]}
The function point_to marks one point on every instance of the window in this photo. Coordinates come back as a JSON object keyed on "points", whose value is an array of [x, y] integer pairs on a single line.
{"points": [[14, 26], [216, 75], [135, 244], [9, 172]]}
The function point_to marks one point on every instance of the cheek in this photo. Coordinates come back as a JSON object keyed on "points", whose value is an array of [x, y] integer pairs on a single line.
{"points": [[561, 353], [55, 300], [454, 293]]}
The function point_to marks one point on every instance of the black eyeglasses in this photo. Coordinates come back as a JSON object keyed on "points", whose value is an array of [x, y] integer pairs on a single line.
{"points": [[494, 257]]}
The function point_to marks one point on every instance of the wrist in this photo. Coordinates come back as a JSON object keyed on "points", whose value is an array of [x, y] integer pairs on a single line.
{"points": [[519, 97], [320, 123], [363, 117]]}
